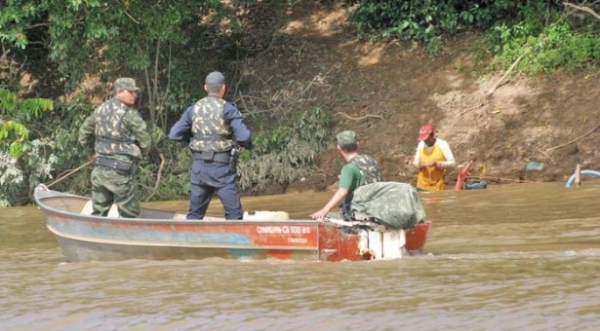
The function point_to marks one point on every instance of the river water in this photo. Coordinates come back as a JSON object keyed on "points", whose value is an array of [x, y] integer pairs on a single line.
{"points": [[511, 257]]}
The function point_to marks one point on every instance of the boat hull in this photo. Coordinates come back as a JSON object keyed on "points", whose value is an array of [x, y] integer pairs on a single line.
{"points": [[78, 250], [163, 235]]}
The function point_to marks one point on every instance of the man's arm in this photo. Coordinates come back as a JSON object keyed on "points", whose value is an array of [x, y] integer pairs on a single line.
{"points": [[450, 161], [348, 182], [136, 127], [417, 157], [87, 131], [335, 200], [182, 129], [235, 119]]}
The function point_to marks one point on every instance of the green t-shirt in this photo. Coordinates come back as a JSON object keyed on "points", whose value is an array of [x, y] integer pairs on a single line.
{"points": [[350, 177]]}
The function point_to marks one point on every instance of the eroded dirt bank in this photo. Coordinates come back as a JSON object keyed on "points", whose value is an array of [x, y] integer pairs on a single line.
{"points": [[385, 91]]}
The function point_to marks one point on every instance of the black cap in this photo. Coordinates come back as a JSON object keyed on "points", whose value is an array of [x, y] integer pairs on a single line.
{"points": [[215, 79]]}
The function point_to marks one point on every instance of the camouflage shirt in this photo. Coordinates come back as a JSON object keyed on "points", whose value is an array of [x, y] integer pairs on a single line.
{"points": [[210, 132], [115, 131], [369, 169]]}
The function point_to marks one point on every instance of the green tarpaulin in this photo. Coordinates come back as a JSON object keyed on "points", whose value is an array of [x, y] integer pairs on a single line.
{"points": [[397, 205]]}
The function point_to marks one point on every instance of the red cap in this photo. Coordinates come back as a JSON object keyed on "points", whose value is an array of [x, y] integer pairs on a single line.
{"points": [[425, 131]]}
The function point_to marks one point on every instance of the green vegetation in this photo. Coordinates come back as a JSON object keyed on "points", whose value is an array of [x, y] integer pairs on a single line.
{"points": [[169, 46], [428, 20], [558, 45], [287, 151], [542, 35], [23, 162]]}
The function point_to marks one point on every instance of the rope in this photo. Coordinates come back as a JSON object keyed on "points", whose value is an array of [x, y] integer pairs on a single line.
{"points": [[71, 172], [68, 174]]}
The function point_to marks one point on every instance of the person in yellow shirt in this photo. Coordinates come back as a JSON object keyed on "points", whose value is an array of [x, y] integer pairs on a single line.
{"points": [[433, 157]]}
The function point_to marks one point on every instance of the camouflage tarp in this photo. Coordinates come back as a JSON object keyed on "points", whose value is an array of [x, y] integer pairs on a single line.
{"points": [[395, 204]]}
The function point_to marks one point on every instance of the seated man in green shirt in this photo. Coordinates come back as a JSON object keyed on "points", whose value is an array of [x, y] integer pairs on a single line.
{"points": [[359, 170]]}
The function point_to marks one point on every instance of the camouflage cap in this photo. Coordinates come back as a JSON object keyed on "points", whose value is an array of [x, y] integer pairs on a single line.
{"points": [[126, 83], [346, 137], [215, 78]]}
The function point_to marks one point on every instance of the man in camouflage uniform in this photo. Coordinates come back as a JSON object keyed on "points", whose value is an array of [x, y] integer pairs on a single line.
{"points": [[359, 170], [119, 137], [214, 130]]}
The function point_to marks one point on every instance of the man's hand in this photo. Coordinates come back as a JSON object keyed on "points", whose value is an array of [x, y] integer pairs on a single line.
{"points": [[320, 214], [424, 165]]}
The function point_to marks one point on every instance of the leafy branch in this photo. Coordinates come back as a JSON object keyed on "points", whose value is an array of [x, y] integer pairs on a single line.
{"points": [[15, 115]]}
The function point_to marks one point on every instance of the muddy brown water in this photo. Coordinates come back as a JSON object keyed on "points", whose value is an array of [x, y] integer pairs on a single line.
{"points": [[512, 257]]}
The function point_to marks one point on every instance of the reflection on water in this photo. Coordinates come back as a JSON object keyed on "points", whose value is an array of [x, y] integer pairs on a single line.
{"points": [[506, 258]]}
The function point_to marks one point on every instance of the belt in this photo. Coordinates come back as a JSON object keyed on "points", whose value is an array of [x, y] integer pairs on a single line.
{"points": [[221, 157], [121, 167]]}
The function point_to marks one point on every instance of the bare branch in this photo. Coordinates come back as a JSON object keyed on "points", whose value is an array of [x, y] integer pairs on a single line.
{"points": [[158, 177], [167, 88], [361, 117], [470, 109], [37, 26], [546, 155], [243, 101], [574, 140], [154, 79], [131, 17], [491, 91], [585, 9]]}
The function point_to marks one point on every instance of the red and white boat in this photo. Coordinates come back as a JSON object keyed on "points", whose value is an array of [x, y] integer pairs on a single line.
{"points": [[161, 234]]}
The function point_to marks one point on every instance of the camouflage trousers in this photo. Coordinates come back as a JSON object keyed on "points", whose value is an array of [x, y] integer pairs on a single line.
{"points": [[109, 187]]}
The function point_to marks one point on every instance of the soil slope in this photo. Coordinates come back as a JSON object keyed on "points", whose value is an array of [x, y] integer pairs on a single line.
{"points": [[386, 91]]}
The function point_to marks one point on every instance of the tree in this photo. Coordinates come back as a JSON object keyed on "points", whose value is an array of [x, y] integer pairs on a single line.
{"points": [[23, 164], [15, 114], [117, 38]]}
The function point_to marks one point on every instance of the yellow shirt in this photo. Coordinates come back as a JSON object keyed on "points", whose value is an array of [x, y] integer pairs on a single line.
{"points": [[433, 178]]}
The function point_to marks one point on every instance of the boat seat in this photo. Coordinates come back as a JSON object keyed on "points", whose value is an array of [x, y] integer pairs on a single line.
{"points": [[88, 209], [261, 215]]}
